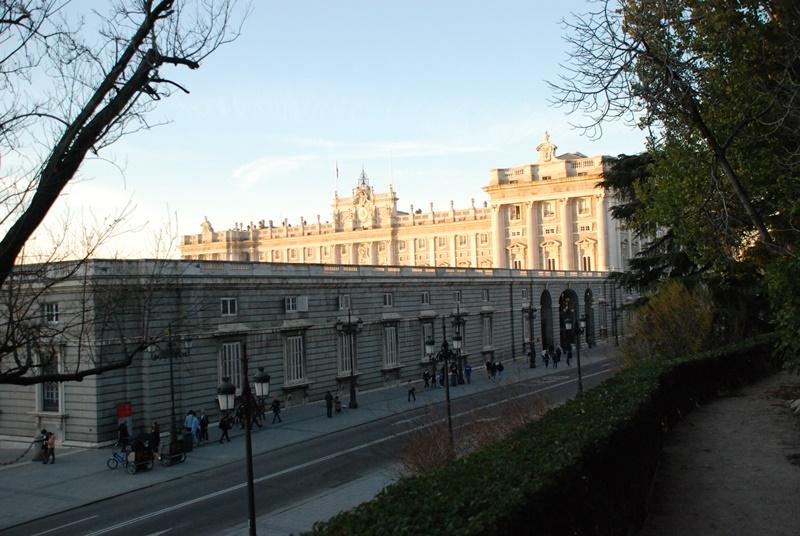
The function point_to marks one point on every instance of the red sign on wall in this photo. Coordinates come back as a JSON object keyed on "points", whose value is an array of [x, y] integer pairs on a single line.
{"points": [[124, 410]]}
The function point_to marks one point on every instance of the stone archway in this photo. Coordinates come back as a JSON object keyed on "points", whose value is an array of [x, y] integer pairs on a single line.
{"points": [[546, 308], [568, 307]]}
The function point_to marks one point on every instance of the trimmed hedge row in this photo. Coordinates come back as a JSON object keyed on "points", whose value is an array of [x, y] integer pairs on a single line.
{"points": [[585, 468]]}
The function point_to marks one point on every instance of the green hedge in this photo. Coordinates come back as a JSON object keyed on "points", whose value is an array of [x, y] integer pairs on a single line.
{"points": [[585, 468]]}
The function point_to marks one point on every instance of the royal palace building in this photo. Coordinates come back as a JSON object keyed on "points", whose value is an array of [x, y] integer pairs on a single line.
{"points": [[549, 215]]}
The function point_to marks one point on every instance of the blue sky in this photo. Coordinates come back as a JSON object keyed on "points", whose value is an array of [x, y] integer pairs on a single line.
{"points": [[427, 95]]}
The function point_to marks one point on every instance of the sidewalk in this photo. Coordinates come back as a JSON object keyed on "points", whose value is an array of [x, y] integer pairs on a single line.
{"points": [[726, 468], [32, 490]]}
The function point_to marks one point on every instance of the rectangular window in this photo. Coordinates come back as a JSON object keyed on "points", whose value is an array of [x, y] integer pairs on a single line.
{"points": [[230, 363], [421, 243], [401, 245], [524, 293], [427, 334], [293, 253], [388, 299], [485, 294], [516, 212], [325, 250], [309, 253], [347, 352], [487, 330], [442, 240], [548, 210], [50, 313], [50, 392], [551, 264], [344, 302], [293, 304], [484, 238], [293, 355], [546, 178], [517, 264], [426, 298], [462, 240], [229, 306], [583, 206], [389, 346], [587, 264]]}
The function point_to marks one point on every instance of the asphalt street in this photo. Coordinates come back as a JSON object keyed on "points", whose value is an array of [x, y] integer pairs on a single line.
{"points": [[212, 501]]}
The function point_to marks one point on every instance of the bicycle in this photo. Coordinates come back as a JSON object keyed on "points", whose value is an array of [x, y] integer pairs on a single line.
{"points": [[118, 457]]}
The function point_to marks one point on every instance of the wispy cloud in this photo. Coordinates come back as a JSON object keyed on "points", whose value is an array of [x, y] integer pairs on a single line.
{"points": [[267, 168], [398, 148]]}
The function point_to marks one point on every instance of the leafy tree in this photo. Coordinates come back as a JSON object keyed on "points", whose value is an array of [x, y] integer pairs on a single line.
{"points": [[673, 323], [67, 92], [715, 84]]}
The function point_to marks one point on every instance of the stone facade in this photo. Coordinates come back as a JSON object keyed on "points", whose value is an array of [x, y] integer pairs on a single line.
{"points": [[549, 215], [289, 319]]}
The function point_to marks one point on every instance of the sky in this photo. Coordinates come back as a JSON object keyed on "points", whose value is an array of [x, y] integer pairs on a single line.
{"points": [[427, 96]]}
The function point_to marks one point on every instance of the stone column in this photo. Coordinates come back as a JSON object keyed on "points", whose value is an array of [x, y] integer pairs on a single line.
{"points": [[373, 253], [566, 235], [354, 253], [453, 259], [392, 253], [602, 234], [474, 258], [499, 259], [432, 245], [533, 236], [412, 252]]}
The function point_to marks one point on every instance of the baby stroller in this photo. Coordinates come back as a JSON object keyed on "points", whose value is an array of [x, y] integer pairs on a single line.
{"points": [[139, 457]]}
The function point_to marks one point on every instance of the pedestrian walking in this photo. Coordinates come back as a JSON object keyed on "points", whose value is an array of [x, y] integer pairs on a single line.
{"points": [[195, 428], [276, 410], [155, 437], [51, 447], [42, 439], [569, 356], [203, 425], [337, 404], [453, 374], [557, 356], [546, 358], [187, 421], [224, 426], [441, 377], [468, 372], [499, 367], [329, 404], [488, 369], [412, 392], [426, 377]]}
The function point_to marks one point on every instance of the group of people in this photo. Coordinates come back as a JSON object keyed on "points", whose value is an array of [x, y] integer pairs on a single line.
{"points": [[429, 380], [554, 355], [332, 403], [47, 441], [197, 425], [227, 421], [494, 370]]}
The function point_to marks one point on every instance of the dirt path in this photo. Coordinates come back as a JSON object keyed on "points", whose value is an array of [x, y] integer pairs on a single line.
{"points": [[726, 471]]}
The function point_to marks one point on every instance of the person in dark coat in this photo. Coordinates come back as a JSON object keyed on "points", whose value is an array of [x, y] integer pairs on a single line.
{"points": [[276, 410], [155, 437], [224, 426], [329, 404], [468, 372]]}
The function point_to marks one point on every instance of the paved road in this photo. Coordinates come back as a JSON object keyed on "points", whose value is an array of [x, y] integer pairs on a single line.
{"points": [[214, 500]]}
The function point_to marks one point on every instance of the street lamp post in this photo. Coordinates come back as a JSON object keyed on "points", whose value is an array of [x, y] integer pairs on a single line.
{"points": [[169, 353], [530, 312], [226, 395], [457, 321], [444, 356], [580, 329], [349, 330]]}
